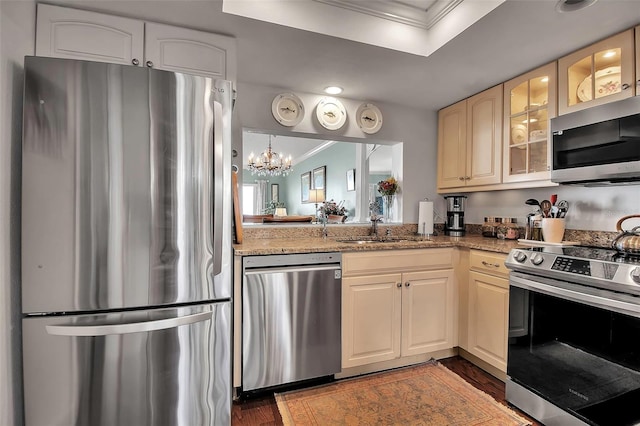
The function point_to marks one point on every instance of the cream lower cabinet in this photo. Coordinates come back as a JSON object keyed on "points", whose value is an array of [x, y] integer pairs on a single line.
{"points": [[488, 313], [386, 316]]}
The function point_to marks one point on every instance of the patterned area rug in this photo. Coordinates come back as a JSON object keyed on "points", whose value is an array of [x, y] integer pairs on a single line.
{"points": [[427, 394]]}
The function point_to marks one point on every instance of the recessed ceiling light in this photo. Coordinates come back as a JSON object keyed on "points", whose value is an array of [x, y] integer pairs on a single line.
{"points": [[609, 54], [573, 5], [333, 90]]}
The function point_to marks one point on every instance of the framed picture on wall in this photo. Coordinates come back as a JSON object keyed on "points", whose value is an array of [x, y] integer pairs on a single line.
{"points": [[319, 178], [351, 180], [305, 186], [275, 196]]}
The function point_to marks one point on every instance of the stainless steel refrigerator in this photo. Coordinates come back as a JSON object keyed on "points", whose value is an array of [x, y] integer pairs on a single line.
{"points": [[126, 245]]}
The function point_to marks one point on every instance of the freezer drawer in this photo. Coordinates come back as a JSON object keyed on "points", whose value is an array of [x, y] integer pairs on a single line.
{"points": [[290, 324], [157, 367]]}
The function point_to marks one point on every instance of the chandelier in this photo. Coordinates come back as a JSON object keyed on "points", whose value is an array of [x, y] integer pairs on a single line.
{"points": [[269, 163]]}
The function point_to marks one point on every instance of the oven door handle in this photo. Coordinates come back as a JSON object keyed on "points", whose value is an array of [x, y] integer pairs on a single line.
{"points": [[590, 296]]}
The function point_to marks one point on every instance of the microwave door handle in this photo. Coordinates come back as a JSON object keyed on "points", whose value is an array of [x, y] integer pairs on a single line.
{"points": [[128, 328]]}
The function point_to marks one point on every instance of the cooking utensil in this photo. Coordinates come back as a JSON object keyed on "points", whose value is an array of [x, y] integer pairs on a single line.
{"points": [[563, 207], [628, 241], [532, 202], [555, 211], [545, 206], [553, 199]]}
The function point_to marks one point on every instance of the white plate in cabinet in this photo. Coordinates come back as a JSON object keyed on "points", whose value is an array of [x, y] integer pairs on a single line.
{"points": [[597, 74]]}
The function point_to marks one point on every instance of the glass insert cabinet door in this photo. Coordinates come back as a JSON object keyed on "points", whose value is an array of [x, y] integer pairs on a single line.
{"points": [[530, 101], [597, 74]]}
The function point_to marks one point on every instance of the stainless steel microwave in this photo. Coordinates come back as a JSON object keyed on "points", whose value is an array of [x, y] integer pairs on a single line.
{"points": [[598, 146]]}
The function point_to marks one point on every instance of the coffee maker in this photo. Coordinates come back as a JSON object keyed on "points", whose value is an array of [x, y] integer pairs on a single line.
{"points": [[455, 215]]}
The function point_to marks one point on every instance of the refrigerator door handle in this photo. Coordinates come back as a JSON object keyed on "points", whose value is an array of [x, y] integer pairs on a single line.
{"points": [[218, 183], [137, 327]]}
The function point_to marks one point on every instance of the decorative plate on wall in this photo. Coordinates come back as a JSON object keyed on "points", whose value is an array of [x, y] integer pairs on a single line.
{"points": [[331, 113], [369, 118], [287, 109]]}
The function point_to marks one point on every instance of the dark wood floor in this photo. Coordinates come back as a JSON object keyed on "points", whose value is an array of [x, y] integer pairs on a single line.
{"points": [[262, 410]]}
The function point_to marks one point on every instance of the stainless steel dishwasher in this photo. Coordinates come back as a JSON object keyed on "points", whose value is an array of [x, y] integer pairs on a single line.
{"points": [[291, 318]]}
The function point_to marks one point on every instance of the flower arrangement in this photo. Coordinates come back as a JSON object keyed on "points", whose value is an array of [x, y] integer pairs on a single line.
{"points": [[271, 207], [333, 208], [389, 186]]}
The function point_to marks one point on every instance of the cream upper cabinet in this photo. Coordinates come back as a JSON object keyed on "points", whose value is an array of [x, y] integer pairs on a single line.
{"points": [[70, 33], [189, 51], [488, 314], [597, 74], [396, 314], [470, 141], [529, 103], [638, 60], [452, 145], [77, 34]]}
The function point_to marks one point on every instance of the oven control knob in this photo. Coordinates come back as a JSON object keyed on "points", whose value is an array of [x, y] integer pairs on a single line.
{"points": [[537, 259], [635, 274], [520, 257]]}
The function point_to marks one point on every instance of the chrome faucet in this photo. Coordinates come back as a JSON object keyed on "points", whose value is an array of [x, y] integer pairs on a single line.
{"points": [[325, 232], [374, 207]]}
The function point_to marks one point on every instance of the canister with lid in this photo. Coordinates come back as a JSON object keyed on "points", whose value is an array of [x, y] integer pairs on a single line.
{"points": [[508, 229], [490, 225]]}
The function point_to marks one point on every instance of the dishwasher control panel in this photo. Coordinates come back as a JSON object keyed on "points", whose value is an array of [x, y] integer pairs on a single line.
{"points": [[291, 260]]}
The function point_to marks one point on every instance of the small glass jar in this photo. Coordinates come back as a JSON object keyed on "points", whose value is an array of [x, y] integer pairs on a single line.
{"points": [[489, 226], [512, 232], [508, 229]]}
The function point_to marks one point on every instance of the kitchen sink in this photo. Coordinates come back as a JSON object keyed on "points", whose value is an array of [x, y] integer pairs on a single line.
{"points": [[372, 241]]}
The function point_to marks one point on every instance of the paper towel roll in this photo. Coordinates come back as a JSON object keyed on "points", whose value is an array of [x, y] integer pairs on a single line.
{"points": [[425, 217]]}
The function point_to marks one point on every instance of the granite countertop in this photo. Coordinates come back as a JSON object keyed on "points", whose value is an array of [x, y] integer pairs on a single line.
{"points": [[263, 246]]}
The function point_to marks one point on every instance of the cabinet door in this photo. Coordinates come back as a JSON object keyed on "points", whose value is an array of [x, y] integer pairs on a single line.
{"points": [[597, 74], [529, 104], [77, 34], [428, 312], [189, 51], [638, 60], [371, 319], [484, 138], [452, 145], [488, 318]]}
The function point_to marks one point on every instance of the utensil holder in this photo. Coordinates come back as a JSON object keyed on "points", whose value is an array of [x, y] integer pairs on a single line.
{"points": [[553, 229]]}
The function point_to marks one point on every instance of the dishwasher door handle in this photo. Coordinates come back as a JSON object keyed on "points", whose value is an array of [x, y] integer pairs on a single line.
{"points": [[291, 269]]}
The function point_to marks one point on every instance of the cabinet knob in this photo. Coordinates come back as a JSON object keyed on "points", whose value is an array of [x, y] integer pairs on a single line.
{"points": [[135, 62], [625, 86], [461, 178], [398, 285], [407, 284], [467, 178], [150, 64]]}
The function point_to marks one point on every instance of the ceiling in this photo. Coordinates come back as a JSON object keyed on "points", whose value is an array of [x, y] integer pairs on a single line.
{"points": [[515, 37]]}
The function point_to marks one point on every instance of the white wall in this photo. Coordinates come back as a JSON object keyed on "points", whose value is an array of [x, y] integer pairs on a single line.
{"points": [[417, 129], [591, 208], [17, 28]]}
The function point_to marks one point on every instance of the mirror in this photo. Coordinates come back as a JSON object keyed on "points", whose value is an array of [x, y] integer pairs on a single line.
{"points": [[344, 171]]}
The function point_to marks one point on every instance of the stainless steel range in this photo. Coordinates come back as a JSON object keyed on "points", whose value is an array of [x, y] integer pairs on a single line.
{"points": [[574, 335]]}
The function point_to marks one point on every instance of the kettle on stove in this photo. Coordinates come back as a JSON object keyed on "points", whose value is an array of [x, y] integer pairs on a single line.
{"points": [[628, 241]]}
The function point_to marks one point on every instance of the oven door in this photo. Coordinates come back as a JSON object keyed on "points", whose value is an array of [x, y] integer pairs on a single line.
{"points": [[576, 347]]}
